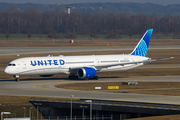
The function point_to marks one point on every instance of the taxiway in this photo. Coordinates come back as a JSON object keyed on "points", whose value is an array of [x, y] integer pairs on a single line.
{"points": [[46, 88], [19, 51]]}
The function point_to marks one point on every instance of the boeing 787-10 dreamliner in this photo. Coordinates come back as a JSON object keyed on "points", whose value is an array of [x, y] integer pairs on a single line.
{"points": [[82, 67]]}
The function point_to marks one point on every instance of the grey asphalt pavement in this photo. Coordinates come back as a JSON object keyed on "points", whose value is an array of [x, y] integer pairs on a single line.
{"points": [[15, 51], [46, 88]]}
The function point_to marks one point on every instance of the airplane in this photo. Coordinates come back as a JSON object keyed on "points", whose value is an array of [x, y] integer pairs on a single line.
{"points": [[82, 67]]}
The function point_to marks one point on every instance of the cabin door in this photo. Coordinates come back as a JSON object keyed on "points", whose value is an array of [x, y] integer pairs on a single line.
{"points": [[23, 64], [97, 61]]}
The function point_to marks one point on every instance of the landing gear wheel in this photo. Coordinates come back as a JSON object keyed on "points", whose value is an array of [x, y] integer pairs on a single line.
{"points": [[16, 78], [96, 77]]}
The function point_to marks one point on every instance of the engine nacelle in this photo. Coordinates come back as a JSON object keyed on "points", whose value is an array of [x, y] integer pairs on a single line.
{"points": [[86, 72], [45, 75]]}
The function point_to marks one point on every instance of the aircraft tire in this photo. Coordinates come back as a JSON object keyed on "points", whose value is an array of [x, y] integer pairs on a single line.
{"points": [[17, 79], [75, 77], [96, 77]]}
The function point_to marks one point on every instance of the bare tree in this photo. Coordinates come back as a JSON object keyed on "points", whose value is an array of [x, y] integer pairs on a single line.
{"points": [[40, 36], [12, 9], [70, 36], [130, 35], [50, 36], [85, 23], [29, 35], [93, 35], [7, 35], [111, 36]]}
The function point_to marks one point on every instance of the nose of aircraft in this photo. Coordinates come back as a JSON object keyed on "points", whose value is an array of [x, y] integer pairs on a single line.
{"points": [[7, 70]]}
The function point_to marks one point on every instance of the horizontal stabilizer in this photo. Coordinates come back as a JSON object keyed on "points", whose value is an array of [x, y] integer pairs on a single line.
{"points": [[162, 59]]}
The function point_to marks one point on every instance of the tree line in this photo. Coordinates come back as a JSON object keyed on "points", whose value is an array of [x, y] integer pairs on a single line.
{"points": [[55, 22]]}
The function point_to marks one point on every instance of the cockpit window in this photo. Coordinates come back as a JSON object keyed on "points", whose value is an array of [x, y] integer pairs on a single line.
{"points": [[11, 64]]}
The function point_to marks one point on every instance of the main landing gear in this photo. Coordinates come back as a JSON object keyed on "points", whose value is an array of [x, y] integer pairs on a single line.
{"points": [[94, 78], [73, 77], [16, 78]]}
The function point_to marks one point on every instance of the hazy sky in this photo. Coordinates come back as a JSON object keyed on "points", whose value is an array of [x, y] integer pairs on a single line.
{"points": [[162, 2]]}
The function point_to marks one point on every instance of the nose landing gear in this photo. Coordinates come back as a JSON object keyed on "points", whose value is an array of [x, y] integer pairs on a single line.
{"points": [[16, 78]]}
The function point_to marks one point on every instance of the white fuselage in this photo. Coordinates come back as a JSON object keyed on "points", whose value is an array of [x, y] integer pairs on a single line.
{"points": [[66, 64]]}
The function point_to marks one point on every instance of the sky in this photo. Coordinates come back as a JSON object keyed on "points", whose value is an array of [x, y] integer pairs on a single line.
{"points": [[161, 2]]}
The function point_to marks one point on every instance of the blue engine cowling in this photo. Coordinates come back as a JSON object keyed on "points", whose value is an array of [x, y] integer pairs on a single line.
{"points": [[86, 72]]}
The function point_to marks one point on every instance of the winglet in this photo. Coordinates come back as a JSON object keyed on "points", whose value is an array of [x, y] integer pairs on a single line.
{"points": [[142, 47]]}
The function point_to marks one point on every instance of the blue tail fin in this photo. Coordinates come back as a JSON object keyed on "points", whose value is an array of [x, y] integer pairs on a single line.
{"points": [[142, 46]]}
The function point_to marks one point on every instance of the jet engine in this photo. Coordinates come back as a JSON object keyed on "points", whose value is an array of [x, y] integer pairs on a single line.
{"points": [[86, 72]]}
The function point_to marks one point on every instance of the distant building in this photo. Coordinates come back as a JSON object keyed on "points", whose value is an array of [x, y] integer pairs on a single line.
{"points": [[68, 9]]}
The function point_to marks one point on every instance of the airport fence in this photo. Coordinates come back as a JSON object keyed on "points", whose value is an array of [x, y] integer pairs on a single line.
{"points": [[94, 117]]}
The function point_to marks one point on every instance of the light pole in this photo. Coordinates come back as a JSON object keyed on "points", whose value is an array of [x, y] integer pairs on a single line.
{"points": [[30, 112], [4, 113], [90, 101], [37, 107], [71, 107], [15, 114], [24, 110], [37, 112], [83, 111], [41, 114]]}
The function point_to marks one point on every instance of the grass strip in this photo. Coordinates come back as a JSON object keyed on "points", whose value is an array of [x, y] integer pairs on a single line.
{"points": [[35, 42], [153, 88]]}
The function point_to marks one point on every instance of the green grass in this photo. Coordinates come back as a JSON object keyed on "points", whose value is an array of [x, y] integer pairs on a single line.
{"points": [[22, 35]]}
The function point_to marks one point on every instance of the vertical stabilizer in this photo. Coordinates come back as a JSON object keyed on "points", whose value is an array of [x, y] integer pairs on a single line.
{"points": [[142, 47]]}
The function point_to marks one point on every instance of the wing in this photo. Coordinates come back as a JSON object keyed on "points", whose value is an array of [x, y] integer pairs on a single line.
{"points": [[98, 67]]}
